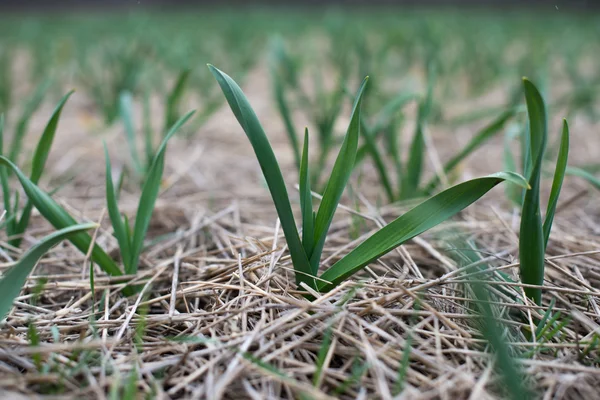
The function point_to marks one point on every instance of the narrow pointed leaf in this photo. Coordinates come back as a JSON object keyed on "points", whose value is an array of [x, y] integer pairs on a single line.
{"points": [[115, 215], [60, 219], [175, 96], [13, 280], [149, 195], [414, 167], [582, 173], [306, 201], [531, 238], [475, 143], [270, 168], [22, 125], [559, 175], [284, 111], [40, 157], [380, 166], [342, 169], [125, 108], [423, 217]]}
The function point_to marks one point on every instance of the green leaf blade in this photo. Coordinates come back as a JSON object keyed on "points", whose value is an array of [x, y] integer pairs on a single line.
{"points": [[14, 279], [60, 219], [531, 238], [423, 217], [148, 197], [268, 163], [342, 169], [115, 215], [559, 175], [306, 201]]}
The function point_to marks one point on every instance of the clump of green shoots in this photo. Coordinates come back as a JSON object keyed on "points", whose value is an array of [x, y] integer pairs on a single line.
{"points": [[322, 109], [116, 70], [142, 161], [409, 172], [306, 252], [534, 234], [130, 240], [16, 223]]}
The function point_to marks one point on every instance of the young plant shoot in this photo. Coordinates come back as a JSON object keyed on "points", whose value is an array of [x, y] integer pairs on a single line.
{"points": [[534, 234], [306, 252]]}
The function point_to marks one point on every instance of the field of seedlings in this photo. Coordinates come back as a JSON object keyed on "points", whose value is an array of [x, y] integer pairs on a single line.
{"points": [[310, 205]]}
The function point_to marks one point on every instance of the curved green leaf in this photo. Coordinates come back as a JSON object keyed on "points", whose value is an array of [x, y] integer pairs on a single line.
{"points": [[175, 96], [125, 109], [531, 238], [425, 216], [40, 157], [475, 143], [60, 219], [306, 201], [342, 169], [115, 215], [14, 279], [148, 197], [270, 168], [582, 173], [559, 175]]}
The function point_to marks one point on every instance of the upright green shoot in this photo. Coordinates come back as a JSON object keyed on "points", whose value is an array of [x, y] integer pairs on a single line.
{"points": [[131, 243], [534, 234], [306, 253], [17, 224]]}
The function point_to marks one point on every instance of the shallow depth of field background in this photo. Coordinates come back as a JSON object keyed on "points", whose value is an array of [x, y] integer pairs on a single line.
{"points": [[208, 323]]}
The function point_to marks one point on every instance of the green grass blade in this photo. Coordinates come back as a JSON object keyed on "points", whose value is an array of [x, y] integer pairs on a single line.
{"points": [[60, 219], [414, 167], [39, 162], [390, 110], [342, 169], [513, 193], [582, 173], [149, 195], [115, 216], [306, 201], [531, 239], [126, 111], [147, 126], [270, 168], [174, 98], [511, 373], [423, 217], [284, 111], [559, 175], [380, 166], [10, 216], [13, 280], [21, 129], [475, 143]]}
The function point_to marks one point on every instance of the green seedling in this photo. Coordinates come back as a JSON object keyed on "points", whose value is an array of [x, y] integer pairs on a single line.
{"points": [[409, 173], [17, 224], [323, 108], [130, 241], [306, 252], [174, 98], [143, 162], [31, 106], [533, 234], [13, 280], [116, 71]]}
